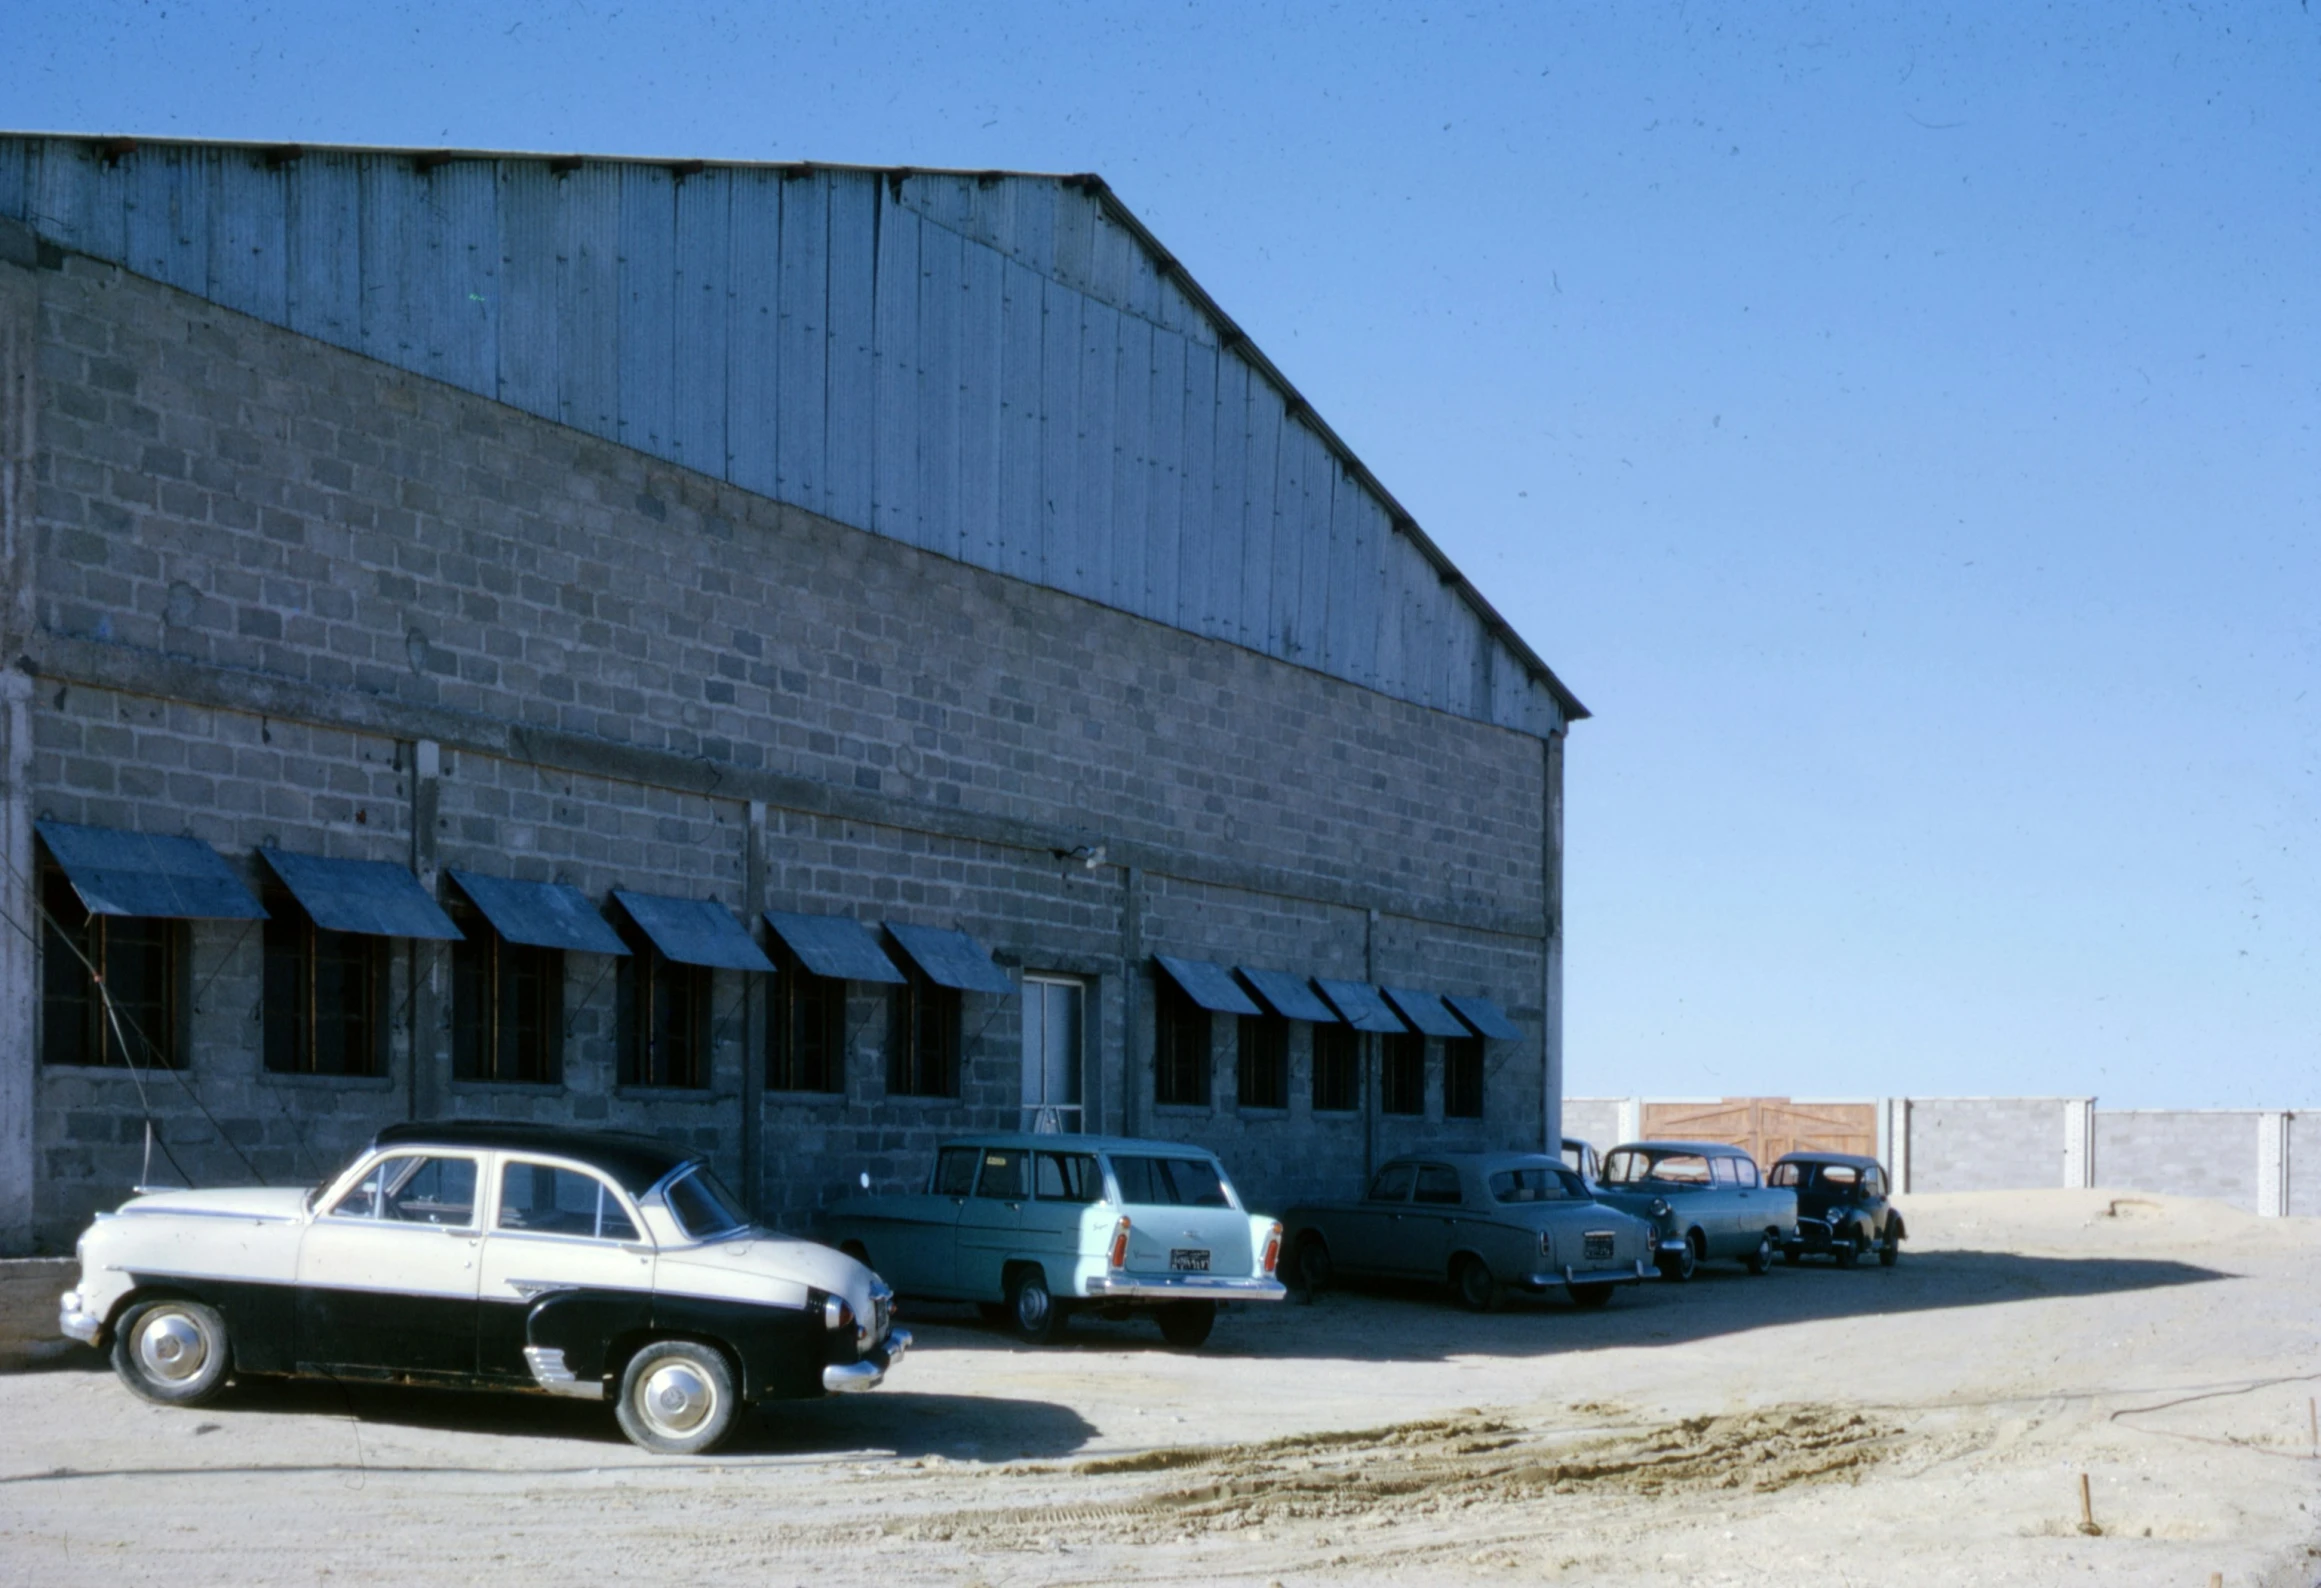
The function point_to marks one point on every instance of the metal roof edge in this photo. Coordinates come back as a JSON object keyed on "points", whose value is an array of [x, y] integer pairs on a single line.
{"points": [[1234, 339]]}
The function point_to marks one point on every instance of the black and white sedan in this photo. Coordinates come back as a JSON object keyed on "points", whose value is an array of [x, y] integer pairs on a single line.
{"points": [[487, 1256]]}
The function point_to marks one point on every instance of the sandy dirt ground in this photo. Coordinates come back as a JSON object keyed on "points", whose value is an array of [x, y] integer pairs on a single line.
{"points": [[1925, 1424]]}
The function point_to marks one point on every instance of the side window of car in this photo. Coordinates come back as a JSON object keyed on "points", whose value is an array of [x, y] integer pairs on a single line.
{"points": [[546, 1199], [1746, 1168], [1438, 1185], [1724, 1172], [1196, 1183], [955, 1171], [1067, 1177], [1393, 1183], [1003, 1175], [1874, 1182], [1141, 1181], [1784, 1174], [411, 1189]]}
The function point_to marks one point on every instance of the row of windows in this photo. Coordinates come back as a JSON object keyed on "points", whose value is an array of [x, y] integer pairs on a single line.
{"points": [[1181, 1063], [324, 1006], [324, 1012]]}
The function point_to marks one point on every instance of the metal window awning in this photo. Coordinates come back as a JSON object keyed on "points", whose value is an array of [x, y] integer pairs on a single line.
{"points": [[694, 931], [164, 879], [1425, 1012], [376, 898], [540, 914], [1485, 1016], [1210, 986], [950, 958], [837, 946], [1292, 997], [1360, 1004]]}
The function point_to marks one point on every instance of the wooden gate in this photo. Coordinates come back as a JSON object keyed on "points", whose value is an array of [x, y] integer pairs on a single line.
{"points": [[1767, 1127]]}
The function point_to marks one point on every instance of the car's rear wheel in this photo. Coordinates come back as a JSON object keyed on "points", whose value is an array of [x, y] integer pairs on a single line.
{"points": [[1032, 1311], [1678, 1266], [1314, 1268], [1890, 1249], [1472, 1283], [172, 1352], [677, 1398], [1185, 1324], [1591, 1295], [1762, 1258]]}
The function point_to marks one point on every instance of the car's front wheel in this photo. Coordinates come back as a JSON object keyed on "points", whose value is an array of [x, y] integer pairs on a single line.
{"points": [[1679, 1265], [677, 1398], [1845, 1251], [1314, 1270], [172, 1352], [1185, 1324], [1890, 1249], [1032, 1311]]}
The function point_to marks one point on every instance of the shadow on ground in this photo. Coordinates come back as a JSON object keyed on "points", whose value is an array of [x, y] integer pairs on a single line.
{"points": [[1386, 1322]]}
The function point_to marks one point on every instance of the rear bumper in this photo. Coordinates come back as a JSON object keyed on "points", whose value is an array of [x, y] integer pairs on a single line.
{"points": [[850, 1378], [1624, 1274], [1181, 1287]]}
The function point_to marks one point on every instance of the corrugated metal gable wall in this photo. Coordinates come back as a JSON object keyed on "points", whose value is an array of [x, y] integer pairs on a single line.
{"points": [[991, 368]]}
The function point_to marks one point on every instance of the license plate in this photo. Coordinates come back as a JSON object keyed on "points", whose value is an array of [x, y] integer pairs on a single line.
{"points": [[1186, 1260], [1598, 1246]]}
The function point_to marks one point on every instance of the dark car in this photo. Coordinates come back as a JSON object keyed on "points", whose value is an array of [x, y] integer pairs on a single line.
{"points": [[1842, 1211]]}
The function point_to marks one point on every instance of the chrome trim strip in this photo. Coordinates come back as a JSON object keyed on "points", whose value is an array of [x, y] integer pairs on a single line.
{"points": [[132, 1210], [550, 1373]]}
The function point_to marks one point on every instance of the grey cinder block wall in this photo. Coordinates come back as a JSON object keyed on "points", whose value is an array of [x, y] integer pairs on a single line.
{"points": [[2266, 1162], [271, 590]]}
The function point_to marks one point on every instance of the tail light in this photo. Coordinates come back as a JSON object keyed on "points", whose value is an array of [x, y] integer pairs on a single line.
{"points": [[1120, 1243], [1272, 1250]]}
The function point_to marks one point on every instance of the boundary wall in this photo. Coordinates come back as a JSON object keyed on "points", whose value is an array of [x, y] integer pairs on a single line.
{"points": [[2262, 1161]]}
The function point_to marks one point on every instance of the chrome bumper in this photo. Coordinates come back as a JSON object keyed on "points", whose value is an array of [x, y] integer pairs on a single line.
{"points": [[1183, 1287], [1670, 1243], [849, 1378], [1568, 1276], [75, 1323]]}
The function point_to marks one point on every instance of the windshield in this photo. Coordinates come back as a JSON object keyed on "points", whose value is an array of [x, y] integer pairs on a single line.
{"points": [[1183, 1182], [1682, 1170], [703, 1206]]}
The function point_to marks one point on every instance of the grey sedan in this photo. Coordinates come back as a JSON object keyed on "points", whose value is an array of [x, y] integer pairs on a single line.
{"points": [[1484, 1223]]}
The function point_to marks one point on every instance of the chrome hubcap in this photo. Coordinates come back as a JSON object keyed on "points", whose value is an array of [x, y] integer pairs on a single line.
{"points": [[1031, 1305], [677, 1399], [171, 1347]]}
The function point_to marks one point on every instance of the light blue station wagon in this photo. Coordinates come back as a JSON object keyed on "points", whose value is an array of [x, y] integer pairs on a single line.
{"points": [[1032, 1227]]}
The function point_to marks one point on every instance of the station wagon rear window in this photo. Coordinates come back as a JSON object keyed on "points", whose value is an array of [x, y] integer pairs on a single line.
{"points": [[1067, 1177], [1184, 1182], [1535, 1184], [1671, 1168], [703, 1207]]}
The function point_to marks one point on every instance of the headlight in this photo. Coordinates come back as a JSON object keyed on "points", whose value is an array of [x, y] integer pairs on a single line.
{"points": [[1659, 1208]]}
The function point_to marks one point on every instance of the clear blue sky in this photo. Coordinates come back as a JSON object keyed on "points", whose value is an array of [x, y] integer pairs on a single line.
{"points": [[1900, 430]]}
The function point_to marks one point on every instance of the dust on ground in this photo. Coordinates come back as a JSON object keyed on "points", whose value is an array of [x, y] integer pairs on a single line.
{"points": [[1924, 1424]]}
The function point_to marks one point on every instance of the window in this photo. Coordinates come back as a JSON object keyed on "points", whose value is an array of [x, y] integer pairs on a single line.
{"points": [[703, 1206], [137, 959], [543, 1199], [326, 995], [1786, 1174], [1402, 1073], [1004, 1176], [413, 1189], [1463, 1078], [1639, 1168], [1438, 1184], [955, 1171], [1539, 1184], [507, 1005], [661, 1017], [1264, 1061], [1171, 1182], [923, 1056], [1337, 1068], [1180, 1055], [806, 1031], [1067, 1177], [1393, 1183]]}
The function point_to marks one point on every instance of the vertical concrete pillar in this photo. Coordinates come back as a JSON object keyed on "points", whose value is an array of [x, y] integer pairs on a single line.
{"points": [[1134, 1065], [19, 962], [428, 1056], [1551, 968], [756, 994], [2272, 1166], [1898, 1142], [2079, 1141], [1631, 1117]]}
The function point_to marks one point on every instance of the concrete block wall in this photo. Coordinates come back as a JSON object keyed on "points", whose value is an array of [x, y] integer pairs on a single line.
{"points": [[270, 572], [1985, 1143], [2180, 1152]]}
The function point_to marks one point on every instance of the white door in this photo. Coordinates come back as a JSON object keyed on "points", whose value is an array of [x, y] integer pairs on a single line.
{"points": [[1051, 1051], [387, 1275]]}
